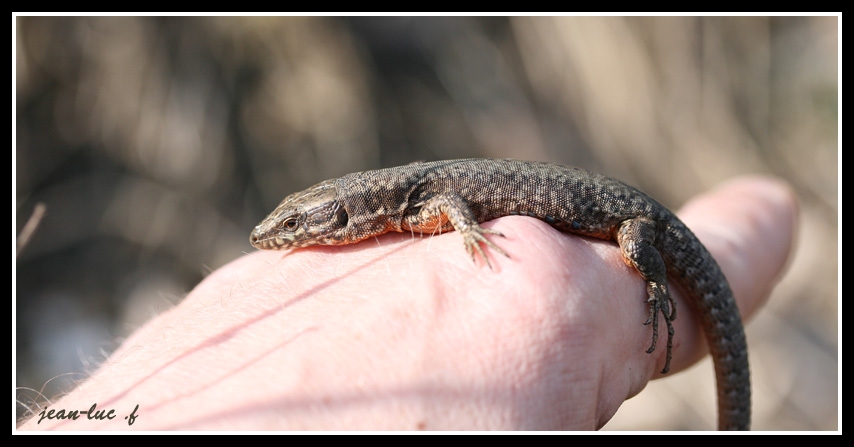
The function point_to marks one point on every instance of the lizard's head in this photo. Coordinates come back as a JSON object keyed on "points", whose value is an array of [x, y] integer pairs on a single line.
{"points": [[311, 217]]}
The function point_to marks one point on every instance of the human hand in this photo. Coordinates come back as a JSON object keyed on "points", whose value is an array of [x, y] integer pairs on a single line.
{"points": [[402, 334]]}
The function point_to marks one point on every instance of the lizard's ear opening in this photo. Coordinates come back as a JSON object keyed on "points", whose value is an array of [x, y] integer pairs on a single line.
{"points": [[342, 217]]}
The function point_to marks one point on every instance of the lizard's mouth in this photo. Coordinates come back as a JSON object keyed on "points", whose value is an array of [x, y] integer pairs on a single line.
{"points": [[266, 242]]}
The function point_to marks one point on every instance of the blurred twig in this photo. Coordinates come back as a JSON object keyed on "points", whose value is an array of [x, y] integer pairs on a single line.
{"points": [[30, 227]]}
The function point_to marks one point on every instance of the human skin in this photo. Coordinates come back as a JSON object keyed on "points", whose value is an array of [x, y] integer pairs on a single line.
{"points": [[403, 333]]}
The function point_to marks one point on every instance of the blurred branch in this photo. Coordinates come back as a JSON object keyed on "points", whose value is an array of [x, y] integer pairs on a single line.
{"points": [[30, 227]]}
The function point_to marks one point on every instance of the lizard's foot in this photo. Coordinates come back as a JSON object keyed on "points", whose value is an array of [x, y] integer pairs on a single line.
{"points": [[660, 301], [474, 236]]}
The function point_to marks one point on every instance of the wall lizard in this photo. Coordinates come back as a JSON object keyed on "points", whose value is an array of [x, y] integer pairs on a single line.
{"points": [[433, 197]]}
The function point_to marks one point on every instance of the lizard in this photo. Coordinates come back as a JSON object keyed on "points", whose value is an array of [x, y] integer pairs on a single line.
{"points": [[440, 196]]}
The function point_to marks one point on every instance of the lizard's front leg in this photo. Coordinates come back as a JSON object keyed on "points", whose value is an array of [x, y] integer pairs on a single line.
{"points": [[447, 211]]}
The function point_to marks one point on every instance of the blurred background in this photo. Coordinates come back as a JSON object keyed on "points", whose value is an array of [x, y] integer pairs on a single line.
{"points": [[157, 144]]}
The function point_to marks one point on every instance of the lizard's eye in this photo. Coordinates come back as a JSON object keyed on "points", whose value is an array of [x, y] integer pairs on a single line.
{"points": [[290, 224]]}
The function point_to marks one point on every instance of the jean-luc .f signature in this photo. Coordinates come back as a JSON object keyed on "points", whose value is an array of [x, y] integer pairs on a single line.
{"points": [[93, 413]]}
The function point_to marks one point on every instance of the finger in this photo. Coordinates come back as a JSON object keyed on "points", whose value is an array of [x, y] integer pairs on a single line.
{"points": [[748, 224]]}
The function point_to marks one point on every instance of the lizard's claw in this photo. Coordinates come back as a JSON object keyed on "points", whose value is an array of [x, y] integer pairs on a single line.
{"points": [[661, 301], [475, 236]]}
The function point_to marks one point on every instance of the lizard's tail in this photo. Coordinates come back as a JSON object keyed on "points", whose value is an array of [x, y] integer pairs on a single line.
{"points": [[699, 275]]}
